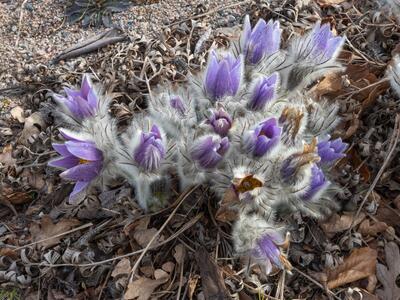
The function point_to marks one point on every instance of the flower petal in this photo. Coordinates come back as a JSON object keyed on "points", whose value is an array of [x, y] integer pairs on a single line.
{"points": [[64, 162], [83, 172], [79, 186], [87, 151]]}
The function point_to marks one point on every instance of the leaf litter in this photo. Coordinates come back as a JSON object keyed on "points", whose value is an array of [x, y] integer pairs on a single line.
{"points": [[193, 256]]}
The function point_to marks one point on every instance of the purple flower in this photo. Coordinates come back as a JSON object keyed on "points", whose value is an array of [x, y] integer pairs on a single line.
{"points": [[263, 40], [317, 183], [81, 103], [208, 151], [223, 76], [82, 161], [330, 151], [263, 138], [323, 44], [264, 92], [267, 249], [220, 121], [177, 103], [150, 151]]}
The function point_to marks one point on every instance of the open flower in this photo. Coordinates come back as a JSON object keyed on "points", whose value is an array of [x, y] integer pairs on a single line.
{"points": [[81, 103], [220, 121], [151, 150], [209, 151], [264, 92], [82, 161], [262, 139], [264, 39], [323, 44], [177, 103], [318, 183], [330, 151], [222, 76]]}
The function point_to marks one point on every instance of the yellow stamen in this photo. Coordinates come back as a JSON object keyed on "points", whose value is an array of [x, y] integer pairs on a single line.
{"points": [[83, 161]]}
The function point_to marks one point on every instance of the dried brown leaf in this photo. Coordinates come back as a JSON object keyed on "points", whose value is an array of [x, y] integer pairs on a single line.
{"points": [[327, 3], [123, 267], [143, 237], [169, 266], [142, 288], [47, 229], [226, 212], [388, 275], [192, 284], [366, 228], [211, 276], [359, 265], [332, 83], [180, 253], [18, 114], [32, 127], [6, 158], [338, 223]]}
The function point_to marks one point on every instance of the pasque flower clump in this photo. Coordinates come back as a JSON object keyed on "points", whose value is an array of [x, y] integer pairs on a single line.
{"points": [[246, 123]]}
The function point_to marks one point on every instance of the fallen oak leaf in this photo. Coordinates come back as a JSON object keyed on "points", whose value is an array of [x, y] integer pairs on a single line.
{"points": [[338, 223], [359, 265], [47, 229], [18, 114], [142, 288], [226, 212], [6, 158], [388, 275], [123, 267], [366, 228]]}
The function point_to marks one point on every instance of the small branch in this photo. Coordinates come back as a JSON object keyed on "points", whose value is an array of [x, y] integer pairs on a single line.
{"points": [[21, 15]]}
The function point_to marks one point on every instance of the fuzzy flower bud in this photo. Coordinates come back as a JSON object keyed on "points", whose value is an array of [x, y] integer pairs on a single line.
{"points": [[151, 150], [317, 183], [330, 151], [323, 44], [264, 92], [82, 161], [208, 151], [81, 103], [263, 40], [262, 139], [220, 121], [177, 103], [261, 241], [223, 76]]}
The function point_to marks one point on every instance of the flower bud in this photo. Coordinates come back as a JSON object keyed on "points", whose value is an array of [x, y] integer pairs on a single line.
{"points": [[264, 92], [262, 139], [223, 76], [209, 151], [317, 183], [330, 151], [263, 40], [151, 150]]}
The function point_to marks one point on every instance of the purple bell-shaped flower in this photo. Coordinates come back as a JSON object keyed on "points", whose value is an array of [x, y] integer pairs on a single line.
{"points": [[263, 39], [151, 150], [81, 103], [331, 150], [262, 139], [223, 76], [264, 92], [209, 151]]}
